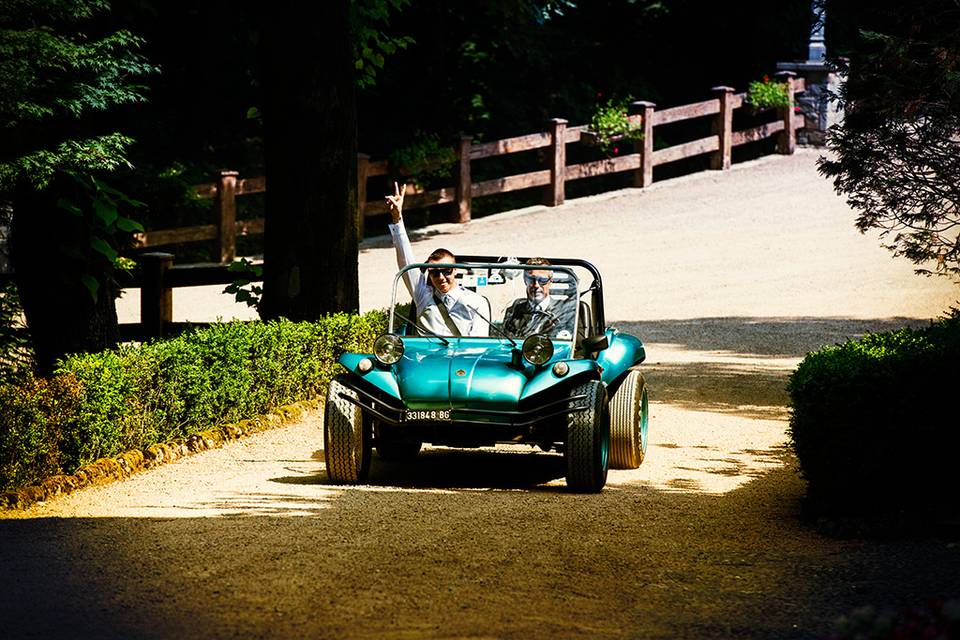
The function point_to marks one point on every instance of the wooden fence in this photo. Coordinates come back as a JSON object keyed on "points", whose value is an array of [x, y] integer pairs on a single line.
{"points": [[158, 276], [552, 178]]}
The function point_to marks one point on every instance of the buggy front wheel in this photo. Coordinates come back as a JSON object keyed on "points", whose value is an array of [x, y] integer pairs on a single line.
{"points": [[587, 449], [346, 437]]}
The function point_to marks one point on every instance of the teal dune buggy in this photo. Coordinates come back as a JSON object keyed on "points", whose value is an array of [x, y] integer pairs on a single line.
{"points": [[542, 370]]}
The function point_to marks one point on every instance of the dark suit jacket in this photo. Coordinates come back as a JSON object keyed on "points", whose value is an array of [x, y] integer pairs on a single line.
{"points": [[520, 321]]}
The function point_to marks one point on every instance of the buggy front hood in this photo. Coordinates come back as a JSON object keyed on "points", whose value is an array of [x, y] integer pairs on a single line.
{"points": [[465, 373]]}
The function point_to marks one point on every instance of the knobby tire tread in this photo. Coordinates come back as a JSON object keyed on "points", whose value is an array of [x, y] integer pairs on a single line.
{"points": [[584, 471], [343, 437]]}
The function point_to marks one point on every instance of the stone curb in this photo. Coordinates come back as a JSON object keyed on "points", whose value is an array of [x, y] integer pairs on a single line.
{"points": [[107, 470]]}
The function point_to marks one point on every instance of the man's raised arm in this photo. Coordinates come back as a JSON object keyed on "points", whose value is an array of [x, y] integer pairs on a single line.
{"points": [[399, 236]]}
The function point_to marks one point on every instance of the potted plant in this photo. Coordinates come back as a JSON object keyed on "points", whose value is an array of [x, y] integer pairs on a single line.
{"points": [[611, 126], [767, 94]]}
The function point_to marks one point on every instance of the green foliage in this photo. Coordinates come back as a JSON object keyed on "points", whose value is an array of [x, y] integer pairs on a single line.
{"points": [[872, 423], [32, 413], [612, 127], [764, 94], [103, 210], [53, 75], [102, 153], [371, 43], [102, 404], [15, 354], [895, 155], [425, 159], [244, 289]]}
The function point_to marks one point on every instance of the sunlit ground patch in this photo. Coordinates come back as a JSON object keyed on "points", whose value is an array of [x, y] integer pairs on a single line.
{"points": [[703, 452]]}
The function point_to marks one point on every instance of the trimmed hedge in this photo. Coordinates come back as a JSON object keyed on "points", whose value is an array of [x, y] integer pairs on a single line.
{"points": [[875, 423], [100, 405]]}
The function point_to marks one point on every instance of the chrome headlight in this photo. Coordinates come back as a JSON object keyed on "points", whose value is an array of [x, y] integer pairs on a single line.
{"points": [[537, 349], [388, 348]]}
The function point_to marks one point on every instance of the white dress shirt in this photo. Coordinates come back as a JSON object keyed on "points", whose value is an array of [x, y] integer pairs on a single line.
{"points": [[461, 304]]}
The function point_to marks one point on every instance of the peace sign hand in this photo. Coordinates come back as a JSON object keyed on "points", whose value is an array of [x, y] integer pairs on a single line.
{"points": [[395, 202]]}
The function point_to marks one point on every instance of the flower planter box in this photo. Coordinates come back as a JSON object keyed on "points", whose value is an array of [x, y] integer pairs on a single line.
{"points": [[592, 138]]}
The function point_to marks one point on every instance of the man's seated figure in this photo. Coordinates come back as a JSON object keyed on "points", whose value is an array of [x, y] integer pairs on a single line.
{"points": [[538, 312]]}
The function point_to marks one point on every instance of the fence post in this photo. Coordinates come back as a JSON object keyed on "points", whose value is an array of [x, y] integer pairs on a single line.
{"points": [[463, 179], [557, 162], [643, 177], [787, 142], [723, 127], [226, 205], [363, 164], [156, 299]]}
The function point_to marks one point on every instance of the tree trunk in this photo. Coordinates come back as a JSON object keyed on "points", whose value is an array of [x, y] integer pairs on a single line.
{"points": [[309, 111], [50, 250]]}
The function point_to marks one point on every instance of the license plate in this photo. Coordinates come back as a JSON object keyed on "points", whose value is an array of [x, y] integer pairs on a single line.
{"points": [[426, 415]]}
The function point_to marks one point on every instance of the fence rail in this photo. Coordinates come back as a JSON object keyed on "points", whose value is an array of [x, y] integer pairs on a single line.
{"points": [[156, 278]]}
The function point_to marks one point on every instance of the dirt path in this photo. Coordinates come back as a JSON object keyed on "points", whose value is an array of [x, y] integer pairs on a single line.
{"points": [[729, 278]]}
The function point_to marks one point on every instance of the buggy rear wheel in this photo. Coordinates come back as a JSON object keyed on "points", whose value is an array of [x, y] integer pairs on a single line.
{"points": [[346, 437], [628, 423], [587, 448]]}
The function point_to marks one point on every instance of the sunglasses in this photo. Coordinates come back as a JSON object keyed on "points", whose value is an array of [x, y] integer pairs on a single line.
{"points": [[440, 272], [540, 280]]}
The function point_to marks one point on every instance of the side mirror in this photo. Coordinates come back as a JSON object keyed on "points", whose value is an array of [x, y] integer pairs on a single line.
{"points": [[592, 344]]}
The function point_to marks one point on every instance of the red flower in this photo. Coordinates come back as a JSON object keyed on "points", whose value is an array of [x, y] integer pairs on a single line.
{"points": [[766, 78], [616, 150]]}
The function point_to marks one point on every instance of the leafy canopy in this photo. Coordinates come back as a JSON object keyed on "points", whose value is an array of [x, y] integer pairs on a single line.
{"points": [[371, 42], [57, 71], [897, 152]]}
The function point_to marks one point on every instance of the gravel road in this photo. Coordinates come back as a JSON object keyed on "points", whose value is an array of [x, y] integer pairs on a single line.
{"points": [[728, 277]]}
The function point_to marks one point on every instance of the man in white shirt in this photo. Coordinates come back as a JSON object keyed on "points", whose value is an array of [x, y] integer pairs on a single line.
{"points": [[442, 306]]}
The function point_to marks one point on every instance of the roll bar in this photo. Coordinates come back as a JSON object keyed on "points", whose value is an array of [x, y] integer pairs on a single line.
{"points": [[464, 261]]}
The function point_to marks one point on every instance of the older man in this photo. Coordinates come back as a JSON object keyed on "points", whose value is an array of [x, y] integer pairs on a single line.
{"points": [[538, 312], [442, 305]]}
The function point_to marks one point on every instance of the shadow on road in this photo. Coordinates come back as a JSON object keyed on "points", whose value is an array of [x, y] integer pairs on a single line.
{"points": [[738, 365], [752, 391], [442, 468], [776, 337]]}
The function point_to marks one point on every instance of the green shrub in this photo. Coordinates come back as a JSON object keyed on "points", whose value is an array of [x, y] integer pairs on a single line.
{"points": [[102, 404], [31, 413], [873, 421]]}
